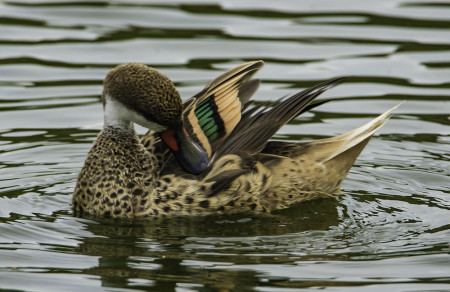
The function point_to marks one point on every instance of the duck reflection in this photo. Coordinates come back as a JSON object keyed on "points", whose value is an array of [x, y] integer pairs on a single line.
{"points": [[168, 252]]}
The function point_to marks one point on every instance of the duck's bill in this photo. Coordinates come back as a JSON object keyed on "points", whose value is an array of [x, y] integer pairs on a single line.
{"points": [[188, 153]]}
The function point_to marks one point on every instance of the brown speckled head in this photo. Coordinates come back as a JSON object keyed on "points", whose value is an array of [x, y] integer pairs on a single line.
{"points": [[146, 91]]}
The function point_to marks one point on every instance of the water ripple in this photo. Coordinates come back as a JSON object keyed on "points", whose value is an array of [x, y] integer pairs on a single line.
{"points": [[389, 229]]}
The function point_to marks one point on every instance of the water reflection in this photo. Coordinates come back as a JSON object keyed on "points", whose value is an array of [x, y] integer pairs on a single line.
{"points": [[168, 250]]}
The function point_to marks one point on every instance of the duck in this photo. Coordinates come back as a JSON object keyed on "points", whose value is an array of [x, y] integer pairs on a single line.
{"points": [[212, 154]]}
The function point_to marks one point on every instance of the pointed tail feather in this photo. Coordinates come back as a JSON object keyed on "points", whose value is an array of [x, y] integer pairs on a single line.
{"points": [[328, 148]]}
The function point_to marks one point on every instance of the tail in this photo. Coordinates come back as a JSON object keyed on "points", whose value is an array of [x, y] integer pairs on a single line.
{"points": [[325, 150], [330, 148], [338, 154], [328, 160]]}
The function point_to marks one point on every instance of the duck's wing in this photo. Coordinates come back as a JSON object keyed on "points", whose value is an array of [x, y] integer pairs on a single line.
{"points": [[259, 124], [212, 114]]}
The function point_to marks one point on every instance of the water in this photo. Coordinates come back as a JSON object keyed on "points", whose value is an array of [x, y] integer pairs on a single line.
{"points": [[389, 231]]}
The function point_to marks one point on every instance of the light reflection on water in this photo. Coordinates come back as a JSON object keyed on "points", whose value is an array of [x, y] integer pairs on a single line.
{"points": [[389, 230]]}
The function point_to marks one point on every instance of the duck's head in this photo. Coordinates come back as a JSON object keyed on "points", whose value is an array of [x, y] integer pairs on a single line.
{"points": [[136, 93]]}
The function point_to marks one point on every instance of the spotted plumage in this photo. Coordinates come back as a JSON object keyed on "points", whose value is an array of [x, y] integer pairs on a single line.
{"points": [[210, 155]]}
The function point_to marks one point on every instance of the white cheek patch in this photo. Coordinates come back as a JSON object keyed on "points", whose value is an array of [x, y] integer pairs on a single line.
{"points": [[118, 115]]}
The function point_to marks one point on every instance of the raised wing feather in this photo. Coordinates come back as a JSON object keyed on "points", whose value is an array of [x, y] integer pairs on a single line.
{"points": [[259, 124], [211, 115]]}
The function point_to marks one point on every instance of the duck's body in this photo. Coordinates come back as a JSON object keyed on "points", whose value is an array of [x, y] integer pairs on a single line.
{"points": [[125, 176]]}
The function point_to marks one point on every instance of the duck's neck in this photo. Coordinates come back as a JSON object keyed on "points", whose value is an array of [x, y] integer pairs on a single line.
{"points": [[125, 149], [117, 115]]}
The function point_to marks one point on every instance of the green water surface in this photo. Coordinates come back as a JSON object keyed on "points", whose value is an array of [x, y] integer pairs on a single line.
{"points": [[388, 231]]}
